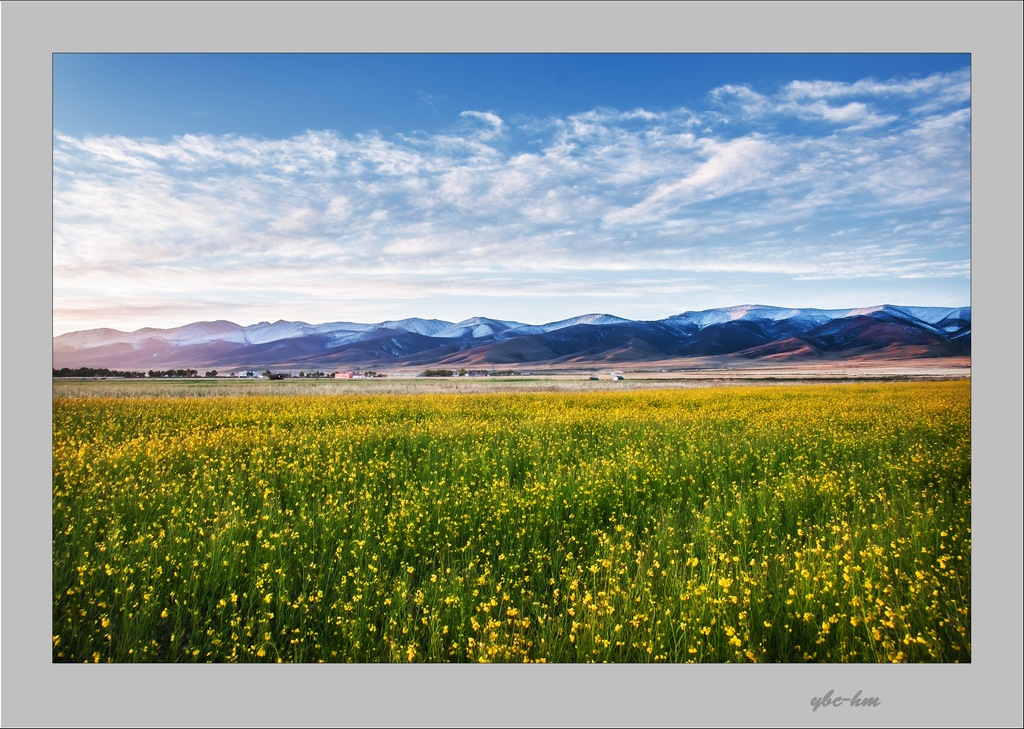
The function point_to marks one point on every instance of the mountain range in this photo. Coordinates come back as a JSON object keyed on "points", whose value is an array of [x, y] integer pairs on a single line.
{"points": [[731, 335]]}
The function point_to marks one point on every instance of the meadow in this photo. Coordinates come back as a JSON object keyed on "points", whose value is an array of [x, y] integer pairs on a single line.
{"points": [[797, 523]]}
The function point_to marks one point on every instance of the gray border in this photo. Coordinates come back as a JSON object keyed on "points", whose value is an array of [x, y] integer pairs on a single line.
{"points": [[986, 692]]}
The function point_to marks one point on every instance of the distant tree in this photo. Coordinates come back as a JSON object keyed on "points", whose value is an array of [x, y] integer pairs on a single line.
{"points": [[438, 373], [211, 373]]}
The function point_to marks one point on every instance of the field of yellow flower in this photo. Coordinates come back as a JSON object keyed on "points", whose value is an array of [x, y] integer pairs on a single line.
{"points": [[749, 524]]}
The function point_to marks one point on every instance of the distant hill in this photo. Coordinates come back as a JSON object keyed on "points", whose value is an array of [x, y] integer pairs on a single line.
{"points": [[737, 334]]}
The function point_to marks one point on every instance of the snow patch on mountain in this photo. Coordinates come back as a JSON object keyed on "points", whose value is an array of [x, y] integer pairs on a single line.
{"points": [[266, 332], [415, 325], [591, 319], [477, 327], [342, 326], [696, 320]]}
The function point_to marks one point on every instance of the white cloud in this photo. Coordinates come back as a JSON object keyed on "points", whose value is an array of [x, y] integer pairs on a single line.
{"points": [[339, 208], [870, 103], [490, 118], [751, 102], [741, 164], [950, 86], [605, 190]]}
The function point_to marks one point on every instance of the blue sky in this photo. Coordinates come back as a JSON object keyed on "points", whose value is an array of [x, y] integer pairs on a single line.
{"points": [[322, 188]]}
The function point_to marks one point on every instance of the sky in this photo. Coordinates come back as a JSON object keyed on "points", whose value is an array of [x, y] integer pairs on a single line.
{"points": [[523, 187]]}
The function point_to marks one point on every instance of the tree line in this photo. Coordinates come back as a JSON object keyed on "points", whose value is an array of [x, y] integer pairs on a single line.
{"points": [[94, 372], [463, 372], [104, 372]]}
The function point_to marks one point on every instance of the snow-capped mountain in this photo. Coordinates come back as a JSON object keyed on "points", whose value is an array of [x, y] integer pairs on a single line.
{"points": [[744, 332]]}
